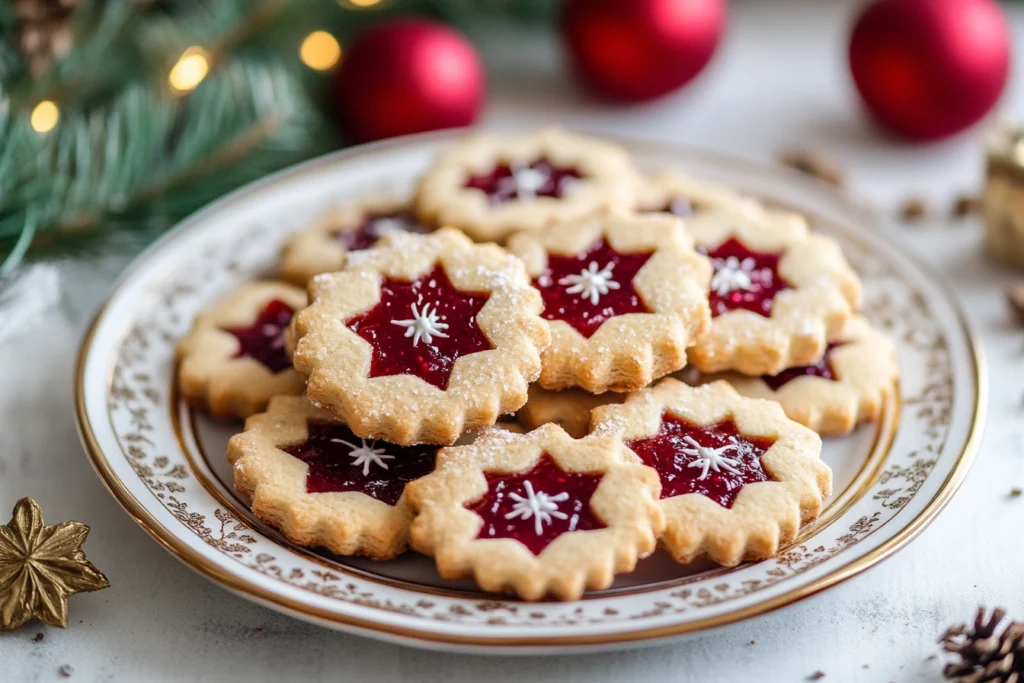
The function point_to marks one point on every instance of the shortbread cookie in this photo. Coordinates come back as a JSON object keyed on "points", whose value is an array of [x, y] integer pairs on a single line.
{"points": [[536, 514], [738, 477], [845, 387], [625, 296], [569, 408], [491, 185], [421, 338], [321, 248], [697, 200], [234, 359], [778, 294], [310, 477]]}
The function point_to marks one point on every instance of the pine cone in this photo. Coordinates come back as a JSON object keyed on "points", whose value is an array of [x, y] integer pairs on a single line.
{"points": [[984, 656], [44, 33]]}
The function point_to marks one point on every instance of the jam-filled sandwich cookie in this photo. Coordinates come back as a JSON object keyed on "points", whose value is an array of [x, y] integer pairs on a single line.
{"points": [[310, 477], [421, 338], [738, 478], [777, 296], [234, 358], [845, 387], [321, 248], [625, 296], [696, 200], [491, 185], [536, 514], [569, 409]]}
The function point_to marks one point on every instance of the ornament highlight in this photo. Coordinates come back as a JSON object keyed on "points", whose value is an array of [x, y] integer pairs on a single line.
{"points": [[408, 76], [635, 50], [927, 69], [40, 566]]}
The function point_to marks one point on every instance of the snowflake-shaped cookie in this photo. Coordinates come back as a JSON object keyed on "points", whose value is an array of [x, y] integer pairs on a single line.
{"points": [[625, 296], [738, 477], [536, 514], [491, 184], [845, 387], [234, 358], [321, 247], [777, 295], [421, 338], [307, 475]]}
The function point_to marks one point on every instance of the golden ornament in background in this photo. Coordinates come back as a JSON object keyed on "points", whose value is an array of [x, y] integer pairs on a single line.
{"points": [[1003, 195], [40, 566], [44, 31]]}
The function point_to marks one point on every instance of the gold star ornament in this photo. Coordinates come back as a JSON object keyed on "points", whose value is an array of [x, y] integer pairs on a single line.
{"points": [[40, 566]]}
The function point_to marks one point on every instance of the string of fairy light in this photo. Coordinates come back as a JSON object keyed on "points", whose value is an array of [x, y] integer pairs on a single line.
{"points": [[319, 50]]}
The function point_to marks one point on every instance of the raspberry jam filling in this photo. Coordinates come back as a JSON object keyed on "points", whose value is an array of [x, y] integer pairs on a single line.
{"points": [[264, 339], [422, 327], [586, 289], [340, 461], [538, 506], [713, 460], [540, 178], [743, 279], [820, 368], [375, 227]]}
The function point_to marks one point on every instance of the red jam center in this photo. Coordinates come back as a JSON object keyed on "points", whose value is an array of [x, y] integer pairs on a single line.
{"points": [[821, 368], [375, 227], [713, 460], [520, 181], [340, 461], [538, 506], [422, 327], [743, 279], [264, 339], [586, 289]]}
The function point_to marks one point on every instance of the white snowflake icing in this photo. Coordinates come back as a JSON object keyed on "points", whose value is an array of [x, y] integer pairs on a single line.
{"points": [[274, 332], [424, 324], [366, 455], [732, 274], [524, 183], [711, 458], [592, 283], [537, 505]]}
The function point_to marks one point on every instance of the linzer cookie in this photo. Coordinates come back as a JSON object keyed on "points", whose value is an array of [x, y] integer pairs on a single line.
{"points": [[738, 477], [321, 248], [778, 294], [421, 338], [625, 296], [310, 477], [845, 387], [536, 514], [234, 358], [491, 185]]}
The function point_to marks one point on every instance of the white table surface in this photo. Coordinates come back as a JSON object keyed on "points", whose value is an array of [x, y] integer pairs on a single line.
{"points": [[779, 80]]}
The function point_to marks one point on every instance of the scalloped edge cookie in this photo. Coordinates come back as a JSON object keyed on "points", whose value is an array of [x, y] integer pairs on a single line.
{"points": [[627, 351], [211, 377], [625, 501], [404, 409], [765, 515]]}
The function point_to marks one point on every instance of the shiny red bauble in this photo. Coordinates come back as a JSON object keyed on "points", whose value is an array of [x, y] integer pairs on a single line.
{"points": [[408, 76], [634, 50], [927, 69]]}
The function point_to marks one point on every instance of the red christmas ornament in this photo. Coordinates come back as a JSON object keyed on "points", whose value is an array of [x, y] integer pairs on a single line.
{"points": [[634, 50], [929, 68], [408, 76]]}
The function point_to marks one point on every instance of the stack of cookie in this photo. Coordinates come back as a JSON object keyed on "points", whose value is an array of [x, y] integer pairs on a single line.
{"points": [[529, 304]]}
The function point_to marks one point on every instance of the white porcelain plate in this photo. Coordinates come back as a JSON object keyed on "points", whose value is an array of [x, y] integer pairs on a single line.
{"points": [[166, 464]]}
